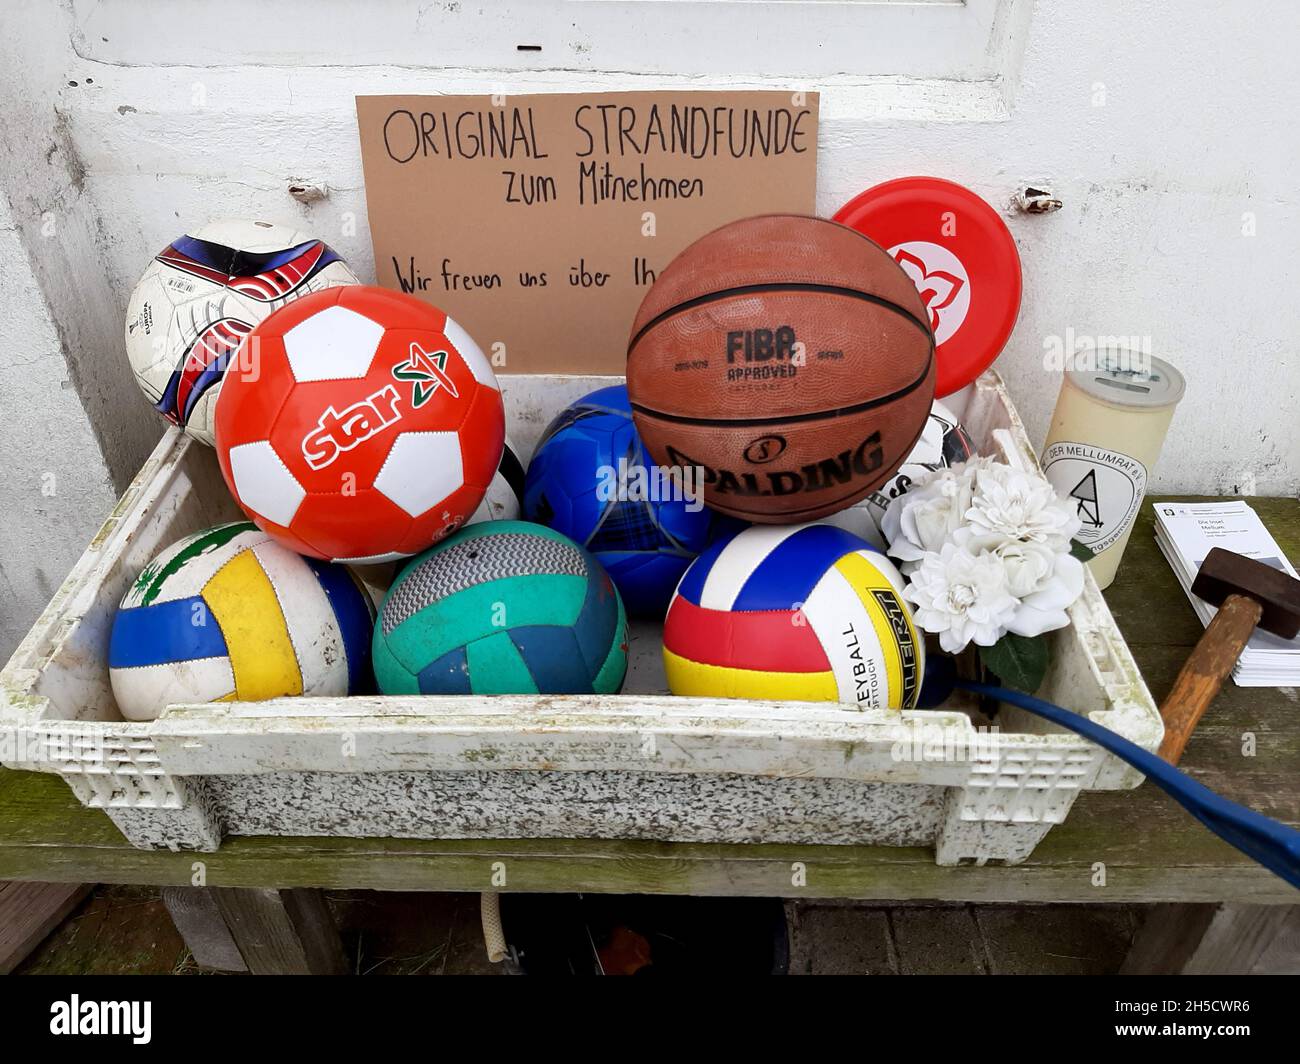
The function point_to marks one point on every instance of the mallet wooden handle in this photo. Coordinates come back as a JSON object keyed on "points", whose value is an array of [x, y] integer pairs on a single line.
{"points": [[1204, 672]]}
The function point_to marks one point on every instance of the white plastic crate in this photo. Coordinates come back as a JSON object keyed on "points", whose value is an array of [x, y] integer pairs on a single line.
{"points": [[641, 765]]}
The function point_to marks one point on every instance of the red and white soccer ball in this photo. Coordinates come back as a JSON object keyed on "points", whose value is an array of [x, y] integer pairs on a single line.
{"points": [[360, 425]]}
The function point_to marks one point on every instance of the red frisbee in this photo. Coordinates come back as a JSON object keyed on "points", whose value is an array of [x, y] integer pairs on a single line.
{"points": [[962, 259]]}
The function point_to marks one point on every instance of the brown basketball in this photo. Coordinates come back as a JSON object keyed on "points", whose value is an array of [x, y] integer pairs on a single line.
{"points": [[789, 357]]}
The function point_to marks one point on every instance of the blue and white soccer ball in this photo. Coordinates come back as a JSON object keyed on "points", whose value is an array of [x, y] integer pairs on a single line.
{"points": [[591, 479]]}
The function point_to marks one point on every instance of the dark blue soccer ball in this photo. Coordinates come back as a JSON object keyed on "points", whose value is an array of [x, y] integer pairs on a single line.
{"points": [[645, 544]]}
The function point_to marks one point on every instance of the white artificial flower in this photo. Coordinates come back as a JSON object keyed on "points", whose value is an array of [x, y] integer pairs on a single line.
{"points": [[922, 520], [1011, 504], [1029, 565], [986, 550], [1043, 609], [961, 597]]}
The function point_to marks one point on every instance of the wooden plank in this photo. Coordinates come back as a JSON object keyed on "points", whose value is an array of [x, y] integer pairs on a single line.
{"points": [[840, 940], [29, 912], [282, 932], [1208, 939], [881, 873], [119, 930], [1282, 957], [195, 913], [1055, 939], [939, 941], [1167, 939]]}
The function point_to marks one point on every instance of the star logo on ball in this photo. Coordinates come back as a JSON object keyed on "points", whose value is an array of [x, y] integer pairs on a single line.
{"points": [[426, 372]]}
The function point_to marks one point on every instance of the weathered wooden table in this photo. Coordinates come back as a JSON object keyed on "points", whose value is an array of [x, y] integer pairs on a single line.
{"points": [[1223, 912]]}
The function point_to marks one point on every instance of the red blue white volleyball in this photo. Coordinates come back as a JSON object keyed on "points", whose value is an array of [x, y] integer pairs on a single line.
{"points": [[798, 612]]}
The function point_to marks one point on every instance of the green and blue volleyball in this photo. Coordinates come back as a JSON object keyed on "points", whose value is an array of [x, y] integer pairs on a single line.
{"points": [[505, 607]]}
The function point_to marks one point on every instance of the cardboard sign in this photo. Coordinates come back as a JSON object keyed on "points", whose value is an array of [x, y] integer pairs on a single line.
{"points": [[539, 222]]}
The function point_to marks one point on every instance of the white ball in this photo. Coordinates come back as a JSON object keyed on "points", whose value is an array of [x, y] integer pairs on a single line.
{"points": [[943, 443], [199, 298], [503, 499]]}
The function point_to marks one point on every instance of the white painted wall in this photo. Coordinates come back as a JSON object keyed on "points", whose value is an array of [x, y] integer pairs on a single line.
{"points": [[71, 427], [57, 488], [1165, 129]]}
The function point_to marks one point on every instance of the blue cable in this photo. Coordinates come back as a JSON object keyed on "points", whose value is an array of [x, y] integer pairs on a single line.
{"points": [[1270, 843]]}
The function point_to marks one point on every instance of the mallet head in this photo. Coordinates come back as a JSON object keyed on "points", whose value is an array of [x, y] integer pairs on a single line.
{"points": [[1225, 573]]}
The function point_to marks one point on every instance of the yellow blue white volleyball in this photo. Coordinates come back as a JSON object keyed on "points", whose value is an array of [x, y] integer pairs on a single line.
{"points": [[228, 615], [798, 612]]}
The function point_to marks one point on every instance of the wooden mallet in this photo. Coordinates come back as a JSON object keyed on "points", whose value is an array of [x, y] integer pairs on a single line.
{"points": [[1249, 594]]}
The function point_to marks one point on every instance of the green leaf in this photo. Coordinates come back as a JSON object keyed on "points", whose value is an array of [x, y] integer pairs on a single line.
{"points": [[1018, 661], [1081, 551]]}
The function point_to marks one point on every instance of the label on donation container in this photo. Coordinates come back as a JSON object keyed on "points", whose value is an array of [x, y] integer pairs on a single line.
{"points": [[1107, 486]]}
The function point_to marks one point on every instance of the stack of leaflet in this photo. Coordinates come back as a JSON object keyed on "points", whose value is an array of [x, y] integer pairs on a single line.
{"points": [[1186, 532]]}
